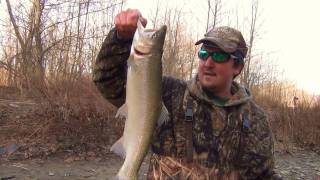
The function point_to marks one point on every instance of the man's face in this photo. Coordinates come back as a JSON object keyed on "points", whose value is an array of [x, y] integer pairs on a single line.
{"points": [[217, 76]]}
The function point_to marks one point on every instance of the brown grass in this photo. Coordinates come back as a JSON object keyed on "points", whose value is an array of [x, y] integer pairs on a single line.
{"points": [[292, 123], [73, 116], [69, 116]]}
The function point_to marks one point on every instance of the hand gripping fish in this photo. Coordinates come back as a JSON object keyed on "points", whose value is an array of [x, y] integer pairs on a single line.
{"points": [[144, 108]]}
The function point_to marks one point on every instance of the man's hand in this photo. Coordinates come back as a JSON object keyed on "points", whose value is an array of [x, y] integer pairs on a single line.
{"points": [[126, 23]]}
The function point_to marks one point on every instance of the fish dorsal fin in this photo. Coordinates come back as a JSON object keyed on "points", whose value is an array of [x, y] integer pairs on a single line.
{"points": [[118, 148], [164, 115], [122, 112]]}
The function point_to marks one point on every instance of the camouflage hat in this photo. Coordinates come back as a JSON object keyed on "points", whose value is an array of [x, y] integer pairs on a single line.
{"points": [[228, 39]]}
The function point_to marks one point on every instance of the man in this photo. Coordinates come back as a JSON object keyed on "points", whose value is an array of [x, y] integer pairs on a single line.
{"points": [[215, 130]]}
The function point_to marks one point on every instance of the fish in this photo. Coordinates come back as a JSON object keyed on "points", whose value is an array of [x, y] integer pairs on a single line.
{"points": [[143, 109]]}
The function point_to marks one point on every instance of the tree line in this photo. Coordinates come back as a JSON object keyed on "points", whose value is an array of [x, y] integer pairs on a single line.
{"points": [[45, 41]]}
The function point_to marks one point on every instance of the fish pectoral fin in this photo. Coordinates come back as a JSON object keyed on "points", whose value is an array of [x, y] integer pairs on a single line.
{"points": [[122, 112], [164, 116], [118, 148]]}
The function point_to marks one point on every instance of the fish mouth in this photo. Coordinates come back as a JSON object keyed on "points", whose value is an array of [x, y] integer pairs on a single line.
{"points": [[141, 50], [139, 53]]}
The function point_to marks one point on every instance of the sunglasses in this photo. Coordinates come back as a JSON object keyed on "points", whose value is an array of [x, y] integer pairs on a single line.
{"points": [[215, 56]]}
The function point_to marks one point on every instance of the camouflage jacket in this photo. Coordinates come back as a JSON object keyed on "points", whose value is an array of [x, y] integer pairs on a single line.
{"points": [[232, 137]]}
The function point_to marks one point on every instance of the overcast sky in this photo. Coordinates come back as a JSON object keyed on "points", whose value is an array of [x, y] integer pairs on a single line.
{"points": [[291, 33]]}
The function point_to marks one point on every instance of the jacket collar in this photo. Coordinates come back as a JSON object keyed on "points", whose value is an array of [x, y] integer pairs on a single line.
{"points": [[240, 95]]}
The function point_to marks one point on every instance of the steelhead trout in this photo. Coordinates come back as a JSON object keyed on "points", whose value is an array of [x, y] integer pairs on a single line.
{"points": [[143, 108]]}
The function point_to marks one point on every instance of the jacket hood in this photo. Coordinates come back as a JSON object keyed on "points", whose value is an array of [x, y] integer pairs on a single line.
{"points": [[240, 94]]}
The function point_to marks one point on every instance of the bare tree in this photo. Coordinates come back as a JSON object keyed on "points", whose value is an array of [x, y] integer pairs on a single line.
{"points": [[214, 10], [171, 47], [245, 77], [56, 40], [38, 50], [32, 63], [154, 15], [179, 49]]}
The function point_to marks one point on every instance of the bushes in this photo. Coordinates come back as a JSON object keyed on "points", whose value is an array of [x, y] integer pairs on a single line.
{"points": [[294, 115], [70, 116], [73, 116]]}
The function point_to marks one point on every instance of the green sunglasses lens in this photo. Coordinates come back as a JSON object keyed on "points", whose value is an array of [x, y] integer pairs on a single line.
{"points": [[220, 57], [203, 54], [215, 56]]}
